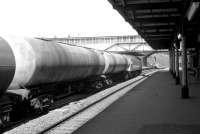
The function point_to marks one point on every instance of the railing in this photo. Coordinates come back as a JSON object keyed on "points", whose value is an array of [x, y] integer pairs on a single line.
{"points": [[100, 40]]}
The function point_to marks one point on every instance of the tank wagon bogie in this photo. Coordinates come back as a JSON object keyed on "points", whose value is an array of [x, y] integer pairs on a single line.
{"points": [[34, 73]]}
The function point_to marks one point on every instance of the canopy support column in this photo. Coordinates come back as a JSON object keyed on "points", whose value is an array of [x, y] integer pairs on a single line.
{"points": [[177, 63], [170, 60], [185, 89], [173, 62]]}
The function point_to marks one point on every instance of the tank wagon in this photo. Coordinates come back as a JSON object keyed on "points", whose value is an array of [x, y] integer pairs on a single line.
{"points": [[34, 72]]}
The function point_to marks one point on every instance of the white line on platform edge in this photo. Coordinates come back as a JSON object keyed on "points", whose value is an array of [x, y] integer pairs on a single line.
{"points": [[76, 122]]}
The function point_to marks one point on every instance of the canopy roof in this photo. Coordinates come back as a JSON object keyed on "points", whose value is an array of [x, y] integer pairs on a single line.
{"points": [[160, 21]]}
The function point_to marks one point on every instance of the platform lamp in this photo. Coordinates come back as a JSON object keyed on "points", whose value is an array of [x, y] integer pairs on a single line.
{"points": [[179, 38]]}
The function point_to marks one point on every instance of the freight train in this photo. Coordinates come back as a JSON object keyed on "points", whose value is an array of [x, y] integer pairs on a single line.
{"points": [[33, 72]]}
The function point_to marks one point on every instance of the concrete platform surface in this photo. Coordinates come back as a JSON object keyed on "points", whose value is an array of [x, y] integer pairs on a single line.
{"points": [[153, 107]]}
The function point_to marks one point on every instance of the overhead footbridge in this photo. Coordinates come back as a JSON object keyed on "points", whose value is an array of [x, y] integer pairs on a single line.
{"points": [[126, 44]]}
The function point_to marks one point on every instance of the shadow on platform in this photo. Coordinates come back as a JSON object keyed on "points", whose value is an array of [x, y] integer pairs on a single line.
{"points": [[152, 107], [170, 129]]}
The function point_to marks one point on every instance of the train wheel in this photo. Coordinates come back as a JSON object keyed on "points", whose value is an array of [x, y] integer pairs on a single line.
{"points": [[36, 104], [109, 82], [4, 119], [98, 85], [42, 103], [126, 77]]}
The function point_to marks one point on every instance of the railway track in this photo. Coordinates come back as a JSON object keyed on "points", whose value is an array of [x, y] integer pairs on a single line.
{"points": [[70, 117]]}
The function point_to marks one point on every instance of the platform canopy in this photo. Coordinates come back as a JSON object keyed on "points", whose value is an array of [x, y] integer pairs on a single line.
{"points": [[160, 21]]}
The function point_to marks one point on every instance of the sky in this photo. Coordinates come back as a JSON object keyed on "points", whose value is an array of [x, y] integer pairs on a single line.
{"points": [[61, 18]]}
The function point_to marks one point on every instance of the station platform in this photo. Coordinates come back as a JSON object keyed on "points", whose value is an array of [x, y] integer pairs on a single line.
{"points": [[153, 107]]}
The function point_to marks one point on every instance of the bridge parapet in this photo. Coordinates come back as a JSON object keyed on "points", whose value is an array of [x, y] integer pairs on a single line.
{"points": [[101, 40]]}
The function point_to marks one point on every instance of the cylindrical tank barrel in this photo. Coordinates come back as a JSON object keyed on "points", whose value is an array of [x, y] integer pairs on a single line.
{"points": [[114, 63], [39, 62], [28, 62], [7, 65], [121, 63]]}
